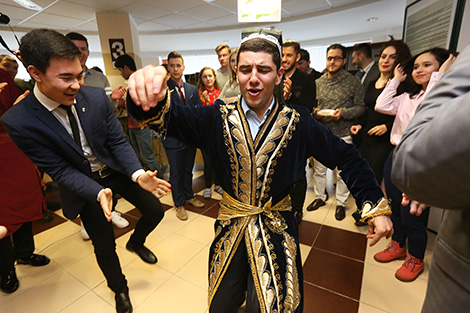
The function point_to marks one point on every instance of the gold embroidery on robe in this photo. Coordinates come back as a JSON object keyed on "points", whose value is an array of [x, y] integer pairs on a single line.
{"points": [[252, 165]]}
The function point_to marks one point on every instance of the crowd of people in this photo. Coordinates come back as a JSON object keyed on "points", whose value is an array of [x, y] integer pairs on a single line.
{"points": [[257, 120]]}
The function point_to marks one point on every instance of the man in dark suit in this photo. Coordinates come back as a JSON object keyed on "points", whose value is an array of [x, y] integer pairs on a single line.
{"points": [[302, 92], [73, 135], [368, 69], [181, 155]]}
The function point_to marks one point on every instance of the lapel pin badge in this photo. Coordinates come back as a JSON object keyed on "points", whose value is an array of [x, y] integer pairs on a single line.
{"points": [[83, 110]]}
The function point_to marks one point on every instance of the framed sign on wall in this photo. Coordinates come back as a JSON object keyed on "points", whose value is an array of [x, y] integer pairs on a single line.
{"points": [[117, 48], [433, 23]]}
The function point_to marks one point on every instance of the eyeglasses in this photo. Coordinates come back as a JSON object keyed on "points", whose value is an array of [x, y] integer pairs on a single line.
{"points": [[330, 59]]}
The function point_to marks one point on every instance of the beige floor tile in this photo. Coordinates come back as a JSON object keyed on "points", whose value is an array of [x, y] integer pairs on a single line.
{"points": [[175, 296], [56, 234], [51, 295], [317, 216], [379, 283], [124, 206], [60, 213], [176, 251], [29, 276], [201, 229], [364, 308], [89, 303], [143, 279], [171, 222], [348, 222], [68, 250], [161, 232], [196, 270], [126, 257], [167, 199], [304, 251], [87, 271]]}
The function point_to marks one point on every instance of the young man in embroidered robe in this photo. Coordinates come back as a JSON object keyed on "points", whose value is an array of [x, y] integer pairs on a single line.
{"points": [[258, 146]]}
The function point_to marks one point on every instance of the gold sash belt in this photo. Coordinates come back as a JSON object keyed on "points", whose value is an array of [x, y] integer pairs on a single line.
{"points": [[232, 208]]}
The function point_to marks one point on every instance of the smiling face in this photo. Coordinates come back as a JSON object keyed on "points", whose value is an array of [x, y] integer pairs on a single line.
{"points": [[61, 80], [257, 75], [208, 78], [423, 68], [84, 52], [387, 60], [289, 58]]}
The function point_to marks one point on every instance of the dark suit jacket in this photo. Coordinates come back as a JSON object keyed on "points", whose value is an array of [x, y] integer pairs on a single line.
{"points": [[48, 144], [372, 76], [191, 98], [303, 89]]}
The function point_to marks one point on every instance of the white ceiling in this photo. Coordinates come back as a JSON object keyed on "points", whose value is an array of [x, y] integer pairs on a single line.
{"points": [[198, 25]]}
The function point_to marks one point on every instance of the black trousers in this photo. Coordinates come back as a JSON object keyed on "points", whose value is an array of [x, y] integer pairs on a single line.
{"points": [[237, 281], [23, 246], [101, 231]]}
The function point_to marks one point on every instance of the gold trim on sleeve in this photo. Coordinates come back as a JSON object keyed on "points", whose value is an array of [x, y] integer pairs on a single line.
{"points": [[369, 210]]}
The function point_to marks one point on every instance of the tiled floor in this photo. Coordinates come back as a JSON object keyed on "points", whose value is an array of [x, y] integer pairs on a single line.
{"points": [[340, 274]]}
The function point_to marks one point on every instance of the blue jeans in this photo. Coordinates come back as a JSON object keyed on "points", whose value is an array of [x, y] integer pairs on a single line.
{"points": [[141, 140], [405, 225]]}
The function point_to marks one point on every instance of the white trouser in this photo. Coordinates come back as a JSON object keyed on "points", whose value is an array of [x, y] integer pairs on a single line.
{"points": [[342, 191]]}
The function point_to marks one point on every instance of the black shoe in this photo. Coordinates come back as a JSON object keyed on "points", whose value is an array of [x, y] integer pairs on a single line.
{"points": [[145, 254], [9, 282], [298, 217], [46, 217], [340, 213], [315, 205], [123, 303], [53, 206], [34, 260], [357, 217]]}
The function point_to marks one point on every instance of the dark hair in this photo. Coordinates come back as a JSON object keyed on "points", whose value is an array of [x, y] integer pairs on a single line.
{"points": [[441, 56], [402, 51], [261, 45], [96, 68], [77, 36], [40, 45], [174, 55], [304, 55], [365, 49], [124, 60], [292, 43], [337, 46], [200, 85]]}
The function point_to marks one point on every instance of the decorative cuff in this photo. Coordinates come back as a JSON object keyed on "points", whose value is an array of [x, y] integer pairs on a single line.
{"points": [[381, 208]]}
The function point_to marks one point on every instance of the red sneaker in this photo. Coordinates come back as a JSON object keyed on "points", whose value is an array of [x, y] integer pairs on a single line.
{"points": [[410, 269], [392, 252]]}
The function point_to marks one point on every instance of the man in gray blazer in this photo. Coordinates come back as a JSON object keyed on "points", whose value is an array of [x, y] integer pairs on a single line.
{"points": [[431, 166]]}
